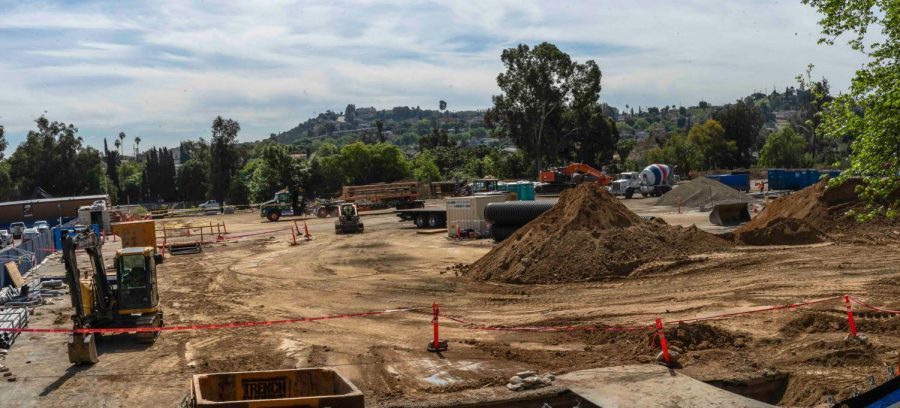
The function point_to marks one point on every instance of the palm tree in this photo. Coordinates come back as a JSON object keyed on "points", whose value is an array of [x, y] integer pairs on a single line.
{"points": [[118, 144], [137, 142], [121, 138]]}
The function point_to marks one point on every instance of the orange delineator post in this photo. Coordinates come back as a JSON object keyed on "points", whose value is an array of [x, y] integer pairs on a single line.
{"points": [[662, 342], [850, 321], [436, 346], [306, 231], [458, 232], [678, 202], [293, 237]]}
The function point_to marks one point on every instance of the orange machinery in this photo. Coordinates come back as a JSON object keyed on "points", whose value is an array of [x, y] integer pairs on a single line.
{"points": [[572, 174]]}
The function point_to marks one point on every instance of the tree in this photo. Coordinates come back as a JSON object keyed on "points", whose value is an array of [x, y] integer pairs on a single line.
{"points": [[118, 144], [424, 168], [709, 138], [679, 152], [867, 113], [223, 163], [2, 142], [121, 140], [53, 157], [350, 113], [379, 124], [191, 180], [624, 148], [137, 143], [742, 122], [536, 88], [784, 148], [279, 165]]}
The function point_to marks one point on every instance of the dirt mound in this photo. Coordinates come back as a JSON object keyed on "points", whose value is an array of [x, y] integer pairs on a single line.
{"points": [[589, 235], [814, 214], [814, 322], [701, 336], [701, 191], [783, 231]]}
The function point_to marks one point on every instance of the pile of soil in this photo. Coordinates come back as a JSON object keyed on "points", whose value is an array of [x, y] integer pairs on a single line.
{"points": [[589, 235], [811, 215], [701, 191]]}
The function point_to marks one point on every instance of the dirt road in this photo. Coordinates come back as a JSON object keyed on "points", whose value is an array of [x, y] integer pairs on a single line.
{"points": [[261, 277]]}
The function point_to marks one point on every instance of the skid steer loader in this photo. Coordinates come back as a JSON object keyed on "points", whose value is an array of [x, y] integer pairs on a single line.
{"points": [[348, 219]]}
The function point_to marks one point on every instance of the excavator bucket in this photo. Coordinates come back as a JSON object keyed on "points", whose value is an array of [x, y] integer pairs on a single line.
{"points": [[729, 214], [83, 348]]}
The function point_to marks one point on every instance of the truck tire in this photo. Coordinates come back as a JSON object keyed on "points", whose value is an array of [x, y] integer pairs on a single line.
{"points": [[502, 232], [515, 212], [322, 212], [421, 222], [629, 193], [435, 221], [273, 215], [333, 211]]}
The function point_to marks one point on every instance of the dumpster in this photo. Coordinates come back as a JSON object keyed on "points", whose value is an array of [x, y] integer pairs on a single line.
{"points": [[302, 387]]}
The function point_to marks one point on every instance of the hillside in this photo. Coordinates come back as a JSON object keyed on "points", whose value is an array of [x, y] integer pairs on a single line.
{"points": [[402, 125]]}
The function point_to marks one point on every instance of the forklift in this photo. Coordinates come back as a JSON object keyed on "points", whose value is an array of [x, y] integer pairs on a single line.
{"points": [[348, 219], [129, 298]]}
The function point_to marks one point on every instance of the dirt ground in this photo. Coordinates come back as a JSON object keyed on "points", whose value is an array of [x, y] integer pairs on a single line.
{"points": [[262, 277]]}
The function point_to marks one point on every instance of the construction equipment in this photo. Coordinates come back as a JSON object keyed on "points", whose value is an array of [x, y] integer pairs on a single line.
{"points": [[554, 180], [655, 180], [348, 219], [733, 213], [299, 387], [400, 195], [128, 299]]}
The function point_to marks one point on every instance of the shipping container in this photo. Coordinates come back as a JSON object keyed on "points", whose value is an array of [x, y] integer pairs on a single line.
{"points": [[467, 213], [304, 387]]}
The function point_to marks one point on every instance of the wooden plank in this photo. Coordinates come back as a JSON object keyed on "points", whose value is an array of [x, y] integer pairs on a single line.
{"points": [[13, 271]]}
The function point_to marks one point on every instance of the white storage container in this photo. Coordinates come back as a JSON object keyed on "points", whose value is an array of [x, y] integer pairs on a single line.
{"points": [[467, 213]]}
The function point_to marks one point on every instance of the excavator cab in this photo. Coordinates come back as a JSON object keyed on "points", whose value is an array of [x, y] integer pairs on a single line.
{"points": [[136, 279]]}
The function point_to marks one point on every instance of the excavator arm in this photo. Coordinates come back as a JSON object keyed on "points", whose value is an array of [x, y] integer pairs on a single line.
{"points": [[602, 178], [87, 240]]}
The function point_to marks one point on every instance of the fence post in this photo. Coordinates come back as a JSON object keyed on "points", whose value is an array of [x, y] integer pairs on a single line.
{"points": [[850, 321], [436, 345], [662, 342]]}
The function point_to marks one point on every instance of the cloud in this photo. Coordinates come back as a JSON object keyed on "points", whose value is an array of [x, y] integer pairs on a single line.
{"points": [[163, 70]]}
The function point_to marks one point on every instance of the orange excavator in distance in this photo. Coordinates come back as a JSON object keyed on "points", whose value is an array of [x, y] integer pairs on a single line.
{"points": [[556, 179]]}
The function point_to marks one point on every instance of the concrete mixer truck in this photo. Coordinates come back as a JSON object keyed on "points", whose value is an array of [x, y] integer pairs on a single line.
{"points": [[655, 180]]}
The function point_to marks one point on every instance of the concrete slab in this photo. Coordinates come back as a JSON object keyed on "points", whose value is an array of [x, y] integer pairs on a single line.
{"points": [[648, 386]]}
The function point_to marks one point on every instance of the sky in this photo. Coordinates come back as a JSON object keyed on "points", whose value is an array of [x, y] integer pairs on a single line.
{"points": [[163, 70]]}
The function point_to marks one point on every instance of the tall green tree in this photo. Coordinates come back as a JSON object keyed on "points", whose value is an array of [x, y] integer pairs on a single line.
{"points": [[785, 148], [742, 122], [867, 113], [538, 86], [679, 152], [279, 165], [424, 168], [709, 138], [191, 180], [223, 160], [54, 158], [2, 141]]}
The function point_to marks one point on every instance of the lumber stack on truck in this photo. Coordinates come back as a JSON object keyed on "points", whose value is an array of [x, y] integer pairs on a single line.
{"points": [[402, 194]]}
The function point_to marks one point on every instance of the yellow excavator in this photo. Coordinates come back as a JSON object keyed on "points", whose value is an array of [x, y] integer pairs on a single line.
{"points": [[129, 298]]}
